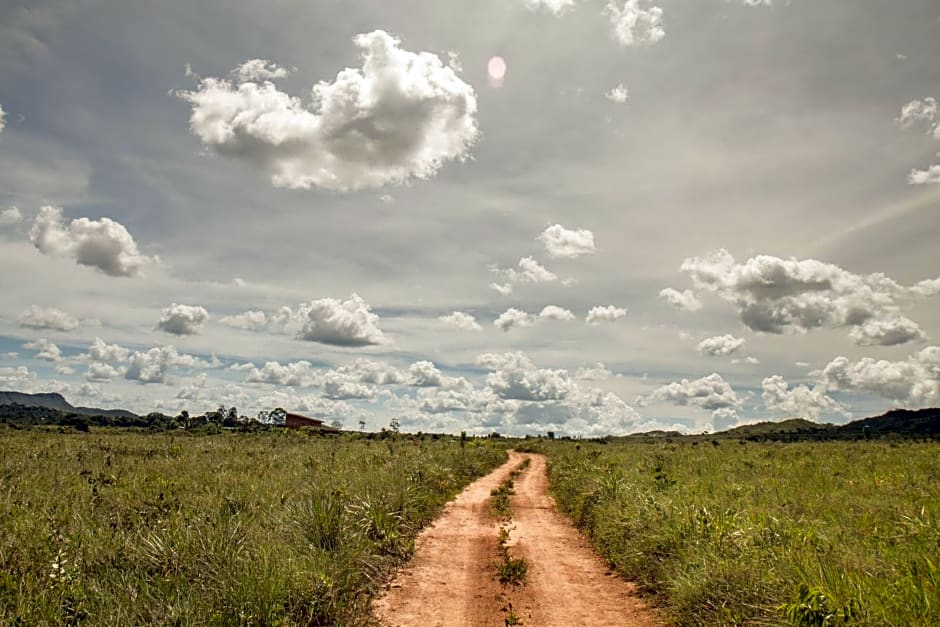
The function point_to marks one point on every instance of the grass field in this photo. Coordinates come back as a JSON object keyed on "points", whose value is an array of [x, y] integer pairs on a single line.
{"points": [[804, 533], [278, 528]]}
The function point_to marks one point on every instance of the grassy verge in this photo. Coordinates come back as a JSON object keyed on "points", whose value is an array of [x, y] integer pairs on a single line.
{"points": [[253, 529], [808, 534]]}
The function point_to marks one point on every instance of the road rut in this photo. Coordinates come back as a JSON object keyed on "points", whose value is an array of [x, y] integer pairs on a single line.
{"points": [[451, 581]]}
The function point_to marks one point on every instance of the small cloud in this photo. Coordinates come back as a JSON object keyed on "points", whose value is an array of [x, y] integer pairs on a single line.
{"points": [[610, 313], [512, 318], [618, 94], [10, 215], [460, 320], [567, 243], [182, 319]]}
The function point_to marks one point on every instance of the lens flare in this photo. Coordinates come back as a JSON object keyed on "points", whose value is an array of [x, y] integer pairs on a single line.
{"points": [[496, 69]]}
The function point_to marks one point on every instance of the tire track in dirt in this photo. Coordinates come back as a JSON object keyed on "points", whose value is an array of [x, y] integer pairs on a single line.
{"points": [[452, 580], [567, 583]]}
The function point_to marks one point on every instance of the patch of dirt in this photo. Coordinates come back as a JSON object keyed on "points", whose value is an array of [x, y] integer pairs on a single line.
{"points": [[452, 582], [567, 583]]}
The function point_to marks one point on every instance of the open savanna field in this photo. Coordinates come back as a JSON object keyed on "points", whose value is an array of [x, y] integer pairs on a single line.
{"points": [[275, 528], [282, 528], [826, 533]]}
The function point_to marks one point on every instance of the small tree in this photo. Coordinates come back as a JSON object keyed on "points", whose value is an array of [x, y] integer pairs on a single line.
{"points": [[394, 425]]}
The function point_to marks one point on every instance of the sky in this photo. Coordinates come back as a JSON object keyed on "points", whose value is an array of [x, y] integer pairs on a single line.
{"points": [[504, 215]]}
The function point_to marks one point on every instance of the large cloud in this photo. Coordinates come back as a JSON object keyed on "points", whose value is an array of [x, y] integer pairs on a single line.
{"points": [[711, 392], [775, 295], [515, 377], [340, 323], [153, 366], [636, 23], [182, 319], [914, 382], [400, 116], [720, 345], [800, 401], [47, 318], [568, 243], [103, 244]]}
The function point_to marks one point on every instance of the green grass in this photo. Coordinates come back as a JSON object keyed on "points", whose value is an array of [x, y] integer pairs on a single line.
{"points": [[109, 528], [805, 533]]}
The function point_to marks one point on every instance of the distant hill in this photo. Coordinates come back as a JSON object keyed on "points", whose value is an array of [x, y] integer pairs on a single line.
{"points": [[897, 422], [52, 400], [920, 422], [793, 425]]}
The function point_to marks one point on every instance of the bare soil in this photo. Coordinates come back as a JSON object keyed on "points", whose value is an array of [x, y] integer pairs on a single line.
{"points": [[452, 579]]}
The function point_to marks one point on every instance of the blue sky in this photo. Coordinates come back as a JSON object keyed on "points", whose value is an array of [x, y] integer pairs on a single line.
{"points": [[341, 210]]}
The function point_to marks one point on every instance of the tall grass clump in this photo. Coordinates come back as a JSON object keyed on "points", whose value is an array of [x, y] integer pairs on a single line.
{"points": [[278, 528], [826, 533]]}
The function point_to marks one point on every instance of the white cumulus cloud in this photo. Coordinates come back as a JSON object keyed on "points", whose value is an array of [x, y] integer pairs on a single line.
{"points": [[103, 244], [400, 116], [799, 401], [10, 215], [101, 351], [711, 392], [554, 312], [462, 321], [512, 318], [685, 300], [930, 176], [249, 321], [567, 243], [636, 22], [294, 374], [153, 365], [182, 319], [608, 313], [720, 345], [259, 70], [101, 372], [775, 295], [340, 323], [46, 350], [556, 7], [618, 94], [47, 318], [914, 382], [516, 378]]}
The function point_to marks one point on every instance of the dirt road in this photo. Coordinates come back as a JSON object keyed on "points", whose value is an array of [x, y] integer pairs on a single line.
{"points": [[452, 581]]}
